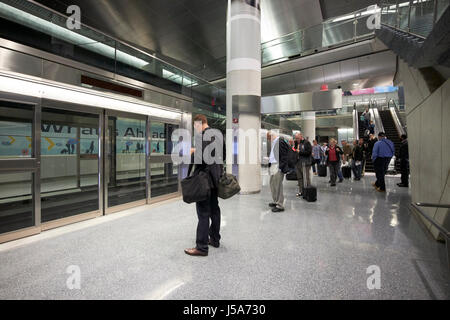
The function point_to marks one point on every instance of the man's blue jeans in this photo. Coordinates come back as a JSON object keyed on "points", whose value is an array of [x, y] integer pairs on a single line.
{"points": [[340, 175], [357, 170]]}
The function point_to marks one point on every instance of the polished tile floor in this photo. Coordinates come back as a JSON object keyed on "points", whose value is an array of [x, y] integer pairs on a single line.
{"points": [[316, 250]]}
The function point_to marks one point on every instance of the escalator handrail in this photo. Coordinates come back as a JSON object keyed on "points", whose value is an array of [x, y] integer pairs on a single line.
{"points": [[373, 105], [396, 117], [355, 122]]}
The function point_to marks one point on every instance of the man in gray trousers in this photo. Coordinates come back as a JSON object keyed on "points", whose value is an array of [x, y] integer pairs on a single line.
{"points": [[278, 168]]}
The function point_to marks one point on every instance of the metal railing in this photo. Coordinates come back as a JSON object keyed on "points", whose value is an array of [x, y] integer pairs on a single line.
{"points": [[335, 32], [376, 117], [437, 225], [414, 17], [396, 117]]}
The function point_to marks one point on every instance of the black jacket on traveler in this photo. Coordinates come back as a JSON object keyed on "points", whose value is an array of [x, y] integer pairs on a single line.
{"points": [[404, 150], [358, 153], [215, 170], [305, 154]]}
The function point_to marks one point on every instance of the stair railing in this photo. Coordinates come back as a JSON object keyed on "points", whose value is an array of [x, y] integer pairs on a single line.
{"points": [[445, 233], [404, 16]]}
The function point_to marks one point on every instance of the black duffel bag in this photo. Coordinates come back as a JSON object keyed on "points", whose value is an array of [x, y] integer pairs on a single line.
{"points": [[228, 186], [196, 188]]}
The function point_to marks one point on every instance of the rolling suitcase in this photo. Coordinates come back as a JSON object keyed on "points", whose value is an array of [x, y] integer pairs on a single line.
{"points": [[347, 172], [322, 170], [309, 192]]}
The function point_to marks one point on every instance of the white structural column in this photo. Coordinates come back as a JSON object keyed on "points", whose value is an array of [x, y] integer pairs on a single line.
{"points": [[244, 88], [309, 125]]}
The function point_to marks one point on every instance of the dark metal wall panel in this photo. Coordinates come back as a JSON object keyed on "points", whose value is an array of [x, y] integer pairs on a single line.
{"points": [[21, 63]]}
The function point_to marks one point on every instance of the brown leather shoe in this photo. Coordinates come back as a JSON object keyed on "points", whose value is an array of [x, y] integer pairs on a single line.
{"points": [[195, 252]]}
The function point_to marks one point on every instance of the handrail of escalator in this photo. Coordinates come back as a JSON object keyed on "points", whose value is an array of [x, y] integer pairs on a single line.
{"points": [[373, 105], [396, 117], [355, 122]]}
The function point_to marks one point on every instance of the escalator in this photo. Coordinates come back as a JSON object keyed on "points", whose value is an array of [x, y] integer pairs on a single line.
{"points": [[369, 164], [391, 133]]}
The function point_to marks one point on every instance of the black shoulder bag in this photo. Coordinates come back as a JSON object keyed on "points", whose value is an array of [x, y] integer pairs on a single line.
{"points": [[196, 187], [228, 186]]}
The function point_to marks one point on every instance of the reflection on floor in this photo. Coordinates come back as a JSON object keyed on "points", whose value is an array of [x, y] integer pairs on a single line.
{"points": [[316, 250]]}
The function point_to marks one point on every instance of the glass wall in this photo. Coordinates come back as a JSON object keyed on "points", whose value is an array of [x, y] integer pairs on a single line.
{"points": [[69, 163], [163, 173], [16, 186], [16, 125], [52, 165], [126, 176], [16, 201]]}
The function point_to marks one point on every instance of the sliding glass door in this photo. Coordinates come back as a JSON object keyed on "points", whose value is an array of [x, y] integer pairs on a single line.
{"points": [[126, 178], [70, 139], [164, 174], [19, 167]]}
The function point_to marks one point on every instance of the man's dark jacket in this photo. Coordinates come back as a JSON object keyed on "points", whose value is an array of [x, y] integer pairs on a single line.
{"points": [[305, 156], [404, 151], [371, 144], [358, 153], [215, 170], [282, 156]]}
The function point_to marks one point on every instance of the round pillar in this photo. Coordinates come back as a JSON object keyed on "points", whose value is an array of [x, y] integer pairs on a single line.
{"points": [[309, 125], [244, 91]]}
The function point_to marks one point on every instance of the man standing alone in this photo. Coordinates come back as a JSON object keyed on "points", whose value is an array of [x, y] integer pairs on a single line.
{"points": [[209, 208], [382, 153]]}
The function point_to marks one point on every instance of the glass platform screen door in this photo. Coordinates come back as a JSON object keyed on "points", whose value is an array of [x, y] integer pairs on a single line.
{"points": [[164, 174], [125, 161], [19, 167], [71, 139]]}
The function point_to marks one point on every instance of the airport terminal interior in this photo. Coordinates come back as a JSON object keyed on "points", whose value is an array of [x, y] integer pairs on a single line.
{"points": [[99, 100]]}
